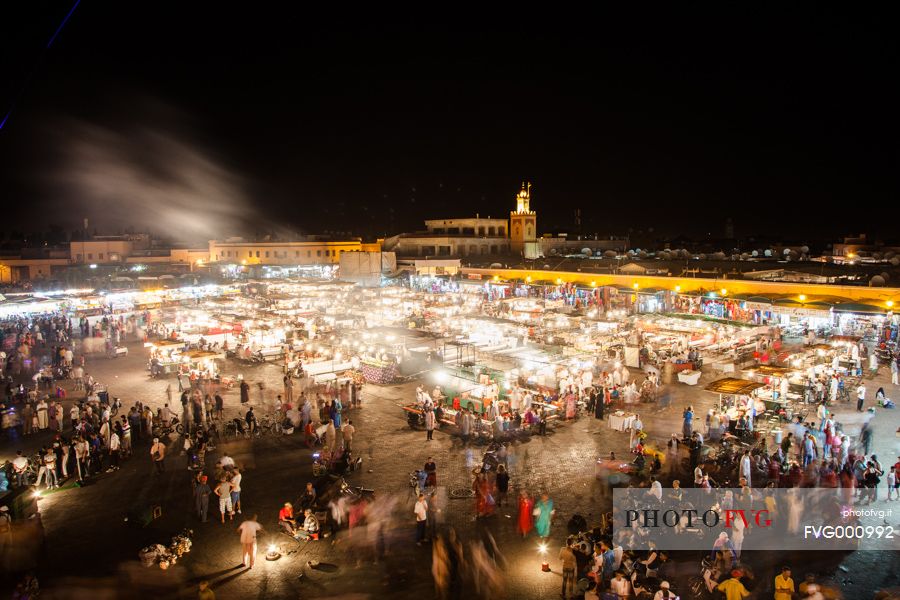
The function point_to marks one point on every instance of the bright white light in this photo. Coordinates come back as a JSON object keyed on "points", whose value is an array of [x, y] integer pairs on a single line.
{"points": [[440, 376], [93, 266], [272, 549], [542, 548], [37, 494]]}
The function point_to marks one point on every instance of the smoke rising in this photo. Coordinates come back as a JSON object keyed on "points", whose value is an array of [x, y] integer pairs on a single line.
{"points": [[149, 179]]}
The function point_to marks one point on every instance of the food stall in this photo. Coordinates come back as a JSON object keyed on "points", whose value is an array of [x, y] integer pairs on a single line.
{"points": [[736, 398], [165, 355]]}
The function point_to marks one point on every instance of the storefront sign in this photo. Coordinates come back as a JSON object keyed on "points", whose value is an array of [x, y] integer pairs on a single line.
{"points": [[757, 306], [473, 275], [796, 311]]}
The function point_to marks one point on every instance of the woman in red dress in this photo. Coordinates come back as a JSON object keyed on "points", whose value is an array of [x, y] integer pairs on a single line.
{"points": [[484, 497], [525, 519]]}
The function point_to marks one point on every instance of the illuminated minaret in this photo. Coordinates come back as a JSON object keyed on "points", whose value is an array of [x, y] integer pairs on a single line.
{"points": [[522, 221]]}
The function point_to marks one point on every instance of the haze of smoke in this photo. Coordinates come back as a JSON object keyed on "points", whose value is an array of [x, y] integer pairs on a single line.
{"points": [[148, 180]]}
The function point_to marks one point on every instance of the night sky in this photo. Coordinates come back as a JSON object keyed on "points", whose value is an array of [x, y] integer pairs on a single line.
{"points": [[200, 118]]}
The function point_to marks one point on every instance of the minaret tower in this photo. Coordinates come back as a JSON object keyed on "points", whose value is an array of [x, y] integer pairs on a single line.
{"points": [[522, 221]]}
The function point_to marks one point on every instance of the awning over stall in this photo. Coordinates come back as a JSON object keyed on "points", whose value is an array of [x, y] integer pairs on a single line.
{"points": [[732, 385]]}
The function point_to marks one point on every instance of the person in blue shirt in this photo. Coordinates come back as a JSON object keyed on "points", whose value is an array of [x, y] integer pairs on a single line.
{"points": [[609, 561], [687, 426]]}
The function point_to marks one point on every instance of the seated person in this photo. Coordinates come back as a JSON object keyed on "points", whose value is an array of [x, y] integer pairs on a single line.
{"points": [[310, 526], [308, 498], [286, 519], [341, 462]]}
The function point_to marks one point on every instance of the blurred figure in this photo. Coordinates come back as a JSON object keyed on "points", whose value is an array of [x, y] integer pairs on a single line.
{"points": [[440, 568], [524, 522]]}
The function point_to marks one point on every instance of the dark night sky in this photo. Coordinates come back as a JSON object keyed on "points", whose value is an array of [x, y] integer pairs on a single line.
{"points": [[783, 118]]}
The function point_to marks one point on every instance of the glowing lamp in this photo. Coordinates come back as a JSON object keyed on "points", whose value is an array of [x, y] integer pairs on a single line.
{"points": [[545, 564], [724, 292], [593, 284], [635, 285], [889, 303], [272, 552], [558, 281], [802, 297], [528, 279], [677, 288]]}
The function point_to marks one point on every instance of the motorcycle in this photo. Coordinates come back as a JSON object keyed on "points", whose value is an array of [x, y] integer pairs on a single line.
{"points": [[355, 492], [160, 431], [697, 584]]}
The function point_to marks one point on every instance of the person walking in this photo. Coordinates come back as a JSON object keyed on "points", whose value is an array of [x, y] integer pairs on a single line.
{"points": [[809, 450], [672, 454], [43, 414], [421, 512], [502, 484], [288, 389], [543, 512], [745, 469], [525, 520], [158, 453], [860, 396], [687, 423], [429, 423], [248, 530], [201, 498], [637, 427], [115, 446], [347, 431]]}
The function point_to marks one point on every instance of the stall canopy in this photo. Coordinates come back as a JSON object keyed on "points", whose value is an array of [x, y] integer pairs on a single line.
{"points": [[770, 370], [844, 338], [731, 385], [202, 354]]}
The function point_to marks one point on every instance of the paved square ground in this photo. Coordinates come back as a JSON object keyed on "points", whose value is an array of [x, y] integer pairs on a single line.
{"points": [[91, 549]]}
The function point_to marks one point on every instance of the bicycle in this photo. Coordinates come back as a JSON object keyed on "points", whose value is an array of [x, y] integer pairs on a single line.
{"points": [[235, 428], [267, 425]]}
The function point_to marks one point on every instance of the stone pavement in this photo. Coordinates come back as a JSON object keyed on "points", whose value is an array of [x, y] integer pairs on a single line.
{"points": [[91, 549]]}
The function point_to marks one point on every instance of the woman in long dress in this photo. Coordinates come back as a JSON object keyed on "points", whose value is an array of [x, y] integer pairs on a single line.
{"points": [[51, 414], [543, 513], [524, 522], [43, 419], [484, 498], [570, 406]]}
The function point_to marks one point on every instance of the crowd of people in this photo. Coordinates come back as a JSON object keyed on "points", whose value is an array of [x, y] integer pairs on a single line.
{"points": [[92, 437]]}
